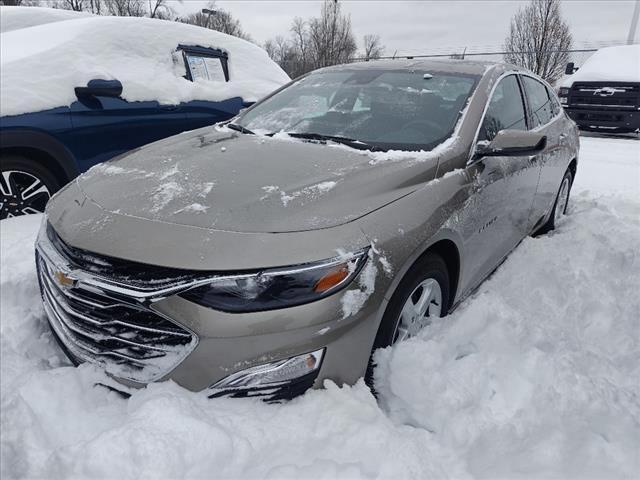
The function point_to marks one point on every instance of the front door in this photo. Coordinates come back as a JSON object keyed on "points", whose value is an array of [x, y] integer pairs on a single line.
{"points": [[502, 188]]}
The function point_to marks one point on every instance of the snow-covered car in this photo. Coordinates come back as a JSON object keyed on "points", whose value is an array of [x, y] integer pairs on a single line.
{"points": [[337, 216], [15, 18], [78, 92], [603, 95]]}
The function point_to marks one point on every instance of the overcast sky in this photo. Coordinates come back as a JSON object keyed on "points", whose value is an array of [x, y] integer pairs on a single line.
{"points": [[413, 27]]}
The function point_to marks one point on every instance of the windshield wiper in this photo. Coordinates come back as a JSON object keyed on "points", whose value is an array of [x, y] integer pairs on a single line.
{"points": [[351, 142], [239, 128]]}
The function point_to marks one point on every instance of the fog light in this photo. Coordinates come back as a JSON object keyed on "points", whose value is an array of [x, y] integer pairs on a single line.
{"points": [[273, 374]]}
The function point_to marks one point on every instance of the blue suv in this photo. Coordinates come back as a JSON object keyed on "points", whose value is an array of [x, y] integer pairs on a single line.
{"points": [[40, 151]]}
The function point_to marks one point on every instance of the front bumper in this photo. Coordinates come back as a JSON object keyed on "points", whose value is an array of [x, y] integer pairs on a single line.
{"points": [[603, 120], [212, 345]]}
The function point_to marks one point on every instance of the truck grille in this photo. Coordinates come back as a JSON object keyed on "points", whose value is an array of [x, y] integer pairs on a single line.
{"points": [[605, 95], [123, 335]]}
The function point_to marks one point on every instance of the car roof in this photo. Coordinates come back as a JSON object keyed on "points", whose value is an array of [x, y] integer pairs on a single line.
{"points": [[446, 65], [15, 18]]}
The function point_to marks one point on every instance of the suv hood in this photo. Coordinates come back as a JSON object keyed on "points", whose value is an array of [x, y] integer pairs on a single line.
{"points": [[219, 179]]}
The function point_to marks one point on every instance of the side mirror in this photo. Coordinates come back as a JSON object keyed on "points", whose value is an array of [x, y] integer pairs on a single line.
{"points": [[100, 88], [570, 69], [512, 142]]}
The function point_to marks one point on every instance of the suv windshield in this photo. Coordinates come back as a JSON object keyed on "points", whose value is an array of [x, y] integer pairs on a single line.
{"points": [[399, 109]]}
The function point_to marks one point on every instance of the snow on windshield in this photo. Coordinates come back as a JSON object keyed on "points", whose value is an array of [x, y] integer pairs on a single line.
{"points": [[41, 65], [407, 110]]}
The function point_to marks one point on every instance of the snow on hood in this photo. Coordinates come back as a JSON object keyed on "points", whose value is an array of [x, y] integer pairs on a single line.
{"points": [[15, 18], [41, 65], [224, 180], [613, 64]]}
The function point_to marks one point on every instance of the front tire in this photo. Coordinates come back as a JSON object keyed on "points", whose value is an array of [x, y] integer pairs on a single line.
{"points": [[25, 186], [422, 296]]}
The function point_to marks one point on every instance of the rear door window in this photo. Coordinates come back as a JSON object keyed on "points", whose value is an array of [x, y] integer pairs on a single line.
{"points": [[505, 110], [206, 64], [205, 68], [539, 102], [556, 108]]}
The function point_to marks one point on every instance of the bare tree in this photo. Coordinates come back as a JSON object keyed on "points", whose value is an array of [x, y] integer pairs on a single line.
{"points": [[126, 8], [300, 47], [221, 20], [330, 36], [315, 42], [539, 39], [372, 47], [75, 5], [121, 8], [160, 9], [18, 3]]}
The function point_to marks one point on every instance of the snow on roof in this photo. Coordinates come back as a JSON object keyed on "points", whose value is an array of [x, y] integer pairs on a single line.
{"points": [[14, 18], [41, 65], [613, 64]]}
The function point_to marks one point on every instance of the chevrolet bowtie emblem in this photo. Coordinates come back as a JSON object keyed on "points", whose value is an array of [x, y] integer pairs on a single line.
{"points": [[63, 279]]}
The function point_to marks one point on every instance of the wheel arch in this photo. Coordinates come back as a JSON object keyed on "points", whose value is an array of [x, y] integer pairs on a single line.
{"points": [[42, 147], [573, 167], [447, 246]]}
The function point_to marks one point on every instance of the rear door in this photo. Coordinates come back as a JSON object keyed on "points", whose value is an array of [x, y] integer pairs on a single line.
{"points": [[502, 187], [108, 126], [208, 65], [546, 116]]}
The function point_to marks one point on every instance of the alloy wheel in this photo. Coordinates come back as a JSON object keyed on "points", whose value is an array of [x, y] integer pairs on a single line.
{"points": [[21, 193], [421, 307]]}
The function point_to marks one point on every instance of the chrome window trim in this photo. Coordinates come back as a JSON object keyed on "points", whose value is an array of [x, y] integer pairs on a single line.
{"points": [[549, 89], [474, 144], [472, 151]]}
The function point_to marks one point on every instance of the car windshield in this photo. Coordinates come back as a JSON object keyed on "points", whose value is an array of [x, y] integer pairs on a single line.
{"points": [[382, 109]]}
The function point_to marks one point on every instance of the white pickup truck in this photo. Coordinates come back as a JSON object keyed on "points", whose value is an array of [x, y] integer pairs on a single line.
{"points": [[604, 94]]}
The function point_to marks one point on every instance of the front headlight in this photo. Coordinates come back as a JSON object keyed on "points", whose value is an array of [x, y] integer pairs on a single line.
{"points": [[563, 92], [279, 288]]}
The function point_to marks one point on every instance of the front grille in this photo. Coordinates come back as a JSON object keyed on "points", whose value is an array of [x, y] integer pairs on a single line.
{"points": [[122, 334], [132, 273], [606, 95]]}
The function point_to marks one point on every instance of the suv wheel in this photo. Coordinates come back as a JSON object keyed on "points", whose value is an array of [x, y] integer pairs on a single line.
{"points": [[25, 186], [422, 296]]}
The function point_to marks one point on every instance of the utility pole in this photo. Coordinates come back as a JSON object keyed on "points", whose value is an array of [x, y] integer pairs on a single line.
{"points": [[634, 23], [208, 12]]}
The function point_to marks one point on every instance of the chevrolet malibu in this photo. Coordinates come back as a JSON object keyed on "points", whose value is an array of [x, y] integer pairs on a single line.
{"points": [[339, 215]]}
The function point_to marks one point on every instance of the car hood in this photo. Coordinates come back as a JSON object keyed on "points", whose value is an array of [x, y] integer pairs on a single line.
{"points": [[219, 179]]}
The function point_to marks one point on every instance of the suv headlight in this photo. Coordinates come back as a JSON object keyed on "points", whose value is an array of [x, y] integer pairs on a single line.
{"points": [[563, 92], [279, 288]]}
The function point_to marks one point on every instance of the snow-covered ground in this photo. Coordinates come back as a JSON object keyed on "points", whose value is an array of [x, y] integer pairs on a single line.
{"points": [[536, 376]]}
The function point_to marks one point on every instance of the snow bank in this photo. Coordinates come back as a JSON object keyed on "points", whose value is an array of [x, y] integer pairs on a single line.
{"points": [[14, 18], [613, 64], [41, 65], [536, 376]]}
